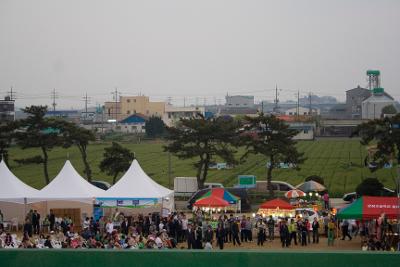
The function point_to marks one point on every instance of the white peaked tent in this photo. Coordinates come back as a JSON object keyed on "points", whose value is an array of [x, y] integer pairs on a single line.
{"points": [[13, 189], [68, 185], [14, 195], [135, 184]]}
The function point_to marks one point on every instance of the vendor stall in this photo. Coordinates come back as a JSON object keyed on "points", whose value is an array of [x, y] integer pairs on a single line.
{"points": [[371, 208], [67, 195], [277, 208], [218, 194], [137, 190]]}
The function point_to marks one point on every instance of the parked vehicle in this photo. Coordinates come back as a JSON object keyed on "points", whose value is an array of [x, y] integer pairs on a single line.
{"points": [[239, 192], [277, 186], [186, 186], [101, 184], [385, 192]]}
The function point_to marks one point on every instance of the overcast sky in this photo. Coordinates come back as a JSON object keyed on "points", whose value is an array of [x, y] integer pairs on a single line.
{"points": [[204, 48]]}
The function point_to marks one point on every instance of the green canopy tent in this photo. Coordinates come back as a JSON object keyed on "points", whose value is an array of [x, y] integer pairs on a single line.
{"points": [[367, 208]]}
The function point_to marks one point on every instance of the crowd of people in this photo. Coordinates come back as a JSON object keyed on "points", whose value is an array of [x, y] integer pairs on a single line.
{"points": [[151, 231]]}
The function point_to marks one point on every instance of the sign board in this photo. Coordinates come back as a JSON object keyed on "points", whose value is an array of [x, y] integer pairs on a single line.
{"points": [[126, 202], [247, 181]]}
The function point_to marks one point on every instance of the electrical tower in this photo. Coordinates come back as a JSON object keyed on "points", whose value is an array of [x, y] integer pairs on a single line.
{"points": [[86, 99], [54, 96], [11, 93], [116, 96]]}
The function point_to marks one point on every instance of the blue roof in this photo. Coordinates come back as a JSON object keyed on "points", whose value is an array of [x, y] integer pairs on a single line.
{"points": [[134, 119]]}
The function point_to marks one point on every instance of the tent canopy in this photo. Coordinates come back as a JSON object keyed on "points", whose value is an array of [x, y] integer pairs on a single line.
{"points": [[13, 189], [69, 185], [221, 193], [311, 186], [211, 201], [135, 183], [370, 208], [276, 204]]}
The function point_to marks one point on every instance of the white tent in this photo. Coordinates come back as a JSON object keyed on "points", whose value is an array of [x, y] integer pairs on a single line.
{"points": [[13, 189], [136, 184], [68, 185]]}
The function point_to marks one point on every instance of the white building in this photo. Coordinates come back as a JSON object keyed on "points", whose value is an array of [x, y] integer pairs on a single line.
{"points": [[372, 106], [302, 111], [135, 123], [239, 101], [173, 114]]}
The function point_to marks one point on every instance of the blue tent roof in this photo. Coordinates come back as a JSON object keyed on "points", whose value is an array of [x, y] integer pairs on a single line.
{"points": [[134, 119]]}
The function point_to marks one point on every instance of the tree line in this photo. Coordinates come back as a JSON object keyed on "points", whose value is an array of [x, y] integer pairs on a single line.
{"points": [[46, 133], [200, 138]]}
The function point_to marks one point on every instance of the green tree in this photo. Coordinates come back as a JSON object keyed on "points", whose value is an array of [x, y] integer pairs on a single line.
{"points": [[41, 132], [385, 133], [116, 159], [6, 138], [271, 137], [369, 187], [79, 136], [155, 127], [203, 139], [390, 109]]}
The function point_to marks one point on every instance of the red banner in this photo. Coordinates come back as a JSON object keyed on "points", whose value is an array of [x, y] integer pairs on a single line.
{"points": [[373, 207]]}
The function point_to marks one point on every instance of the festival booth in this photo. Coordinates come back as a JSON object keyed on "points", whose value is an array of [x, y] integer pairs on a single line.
{"points": [[218, 199], [367, 208], [134, 192], [67, 195], [277, 208], [14, 196]]}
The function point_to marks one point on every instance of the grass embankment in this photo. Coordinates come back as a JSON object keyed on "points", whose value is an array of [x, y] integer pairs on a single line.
{"points": [[339, 162]]}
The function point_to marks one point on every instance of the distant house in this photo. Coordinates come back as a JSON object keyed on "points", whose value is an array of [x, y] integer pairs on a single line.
{"points": [[7, 110], [173, 114], [133, 124], [239, 101], [302, 111]]}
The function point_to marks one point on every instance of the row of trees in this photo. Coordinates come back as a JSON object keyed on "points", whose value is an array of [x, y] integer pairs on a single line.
{"points": [[45, 133], [384, 133], [205, 139]]}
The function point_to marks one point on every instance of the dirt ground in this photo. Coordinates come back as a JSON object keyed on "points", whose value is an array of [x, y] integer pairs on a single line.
{"points": [[354, 244]]}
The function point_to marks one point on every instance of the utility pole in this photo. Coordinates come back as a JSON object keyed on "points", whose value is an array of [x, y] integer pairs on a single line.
{"points": [[276, 98], [11, 93], [262, 107], [310, 106], [298, 104], [54, 96], [116, 95], [87, 101]]}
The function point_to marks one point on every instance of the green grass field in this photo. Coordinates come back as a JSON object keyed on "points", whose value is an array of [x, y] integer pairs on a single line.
{"points": [[327, 158]]}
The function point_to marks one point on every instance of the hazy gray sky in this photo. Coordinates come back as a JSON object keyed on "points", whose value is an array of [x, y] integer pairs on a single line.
{"points": [[189, 48]]}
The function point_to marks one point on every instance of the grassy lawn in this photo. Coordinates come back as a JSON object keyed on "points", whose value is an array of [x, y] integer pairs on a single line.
{"points": [[327, 158]]}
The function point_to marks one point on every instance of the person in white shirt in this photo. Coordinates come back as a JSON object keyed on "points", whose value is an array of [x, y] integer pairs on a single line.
{"points": [[159, 242], [109, 227], [86, 223], [184, 222], [161, 226]]}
